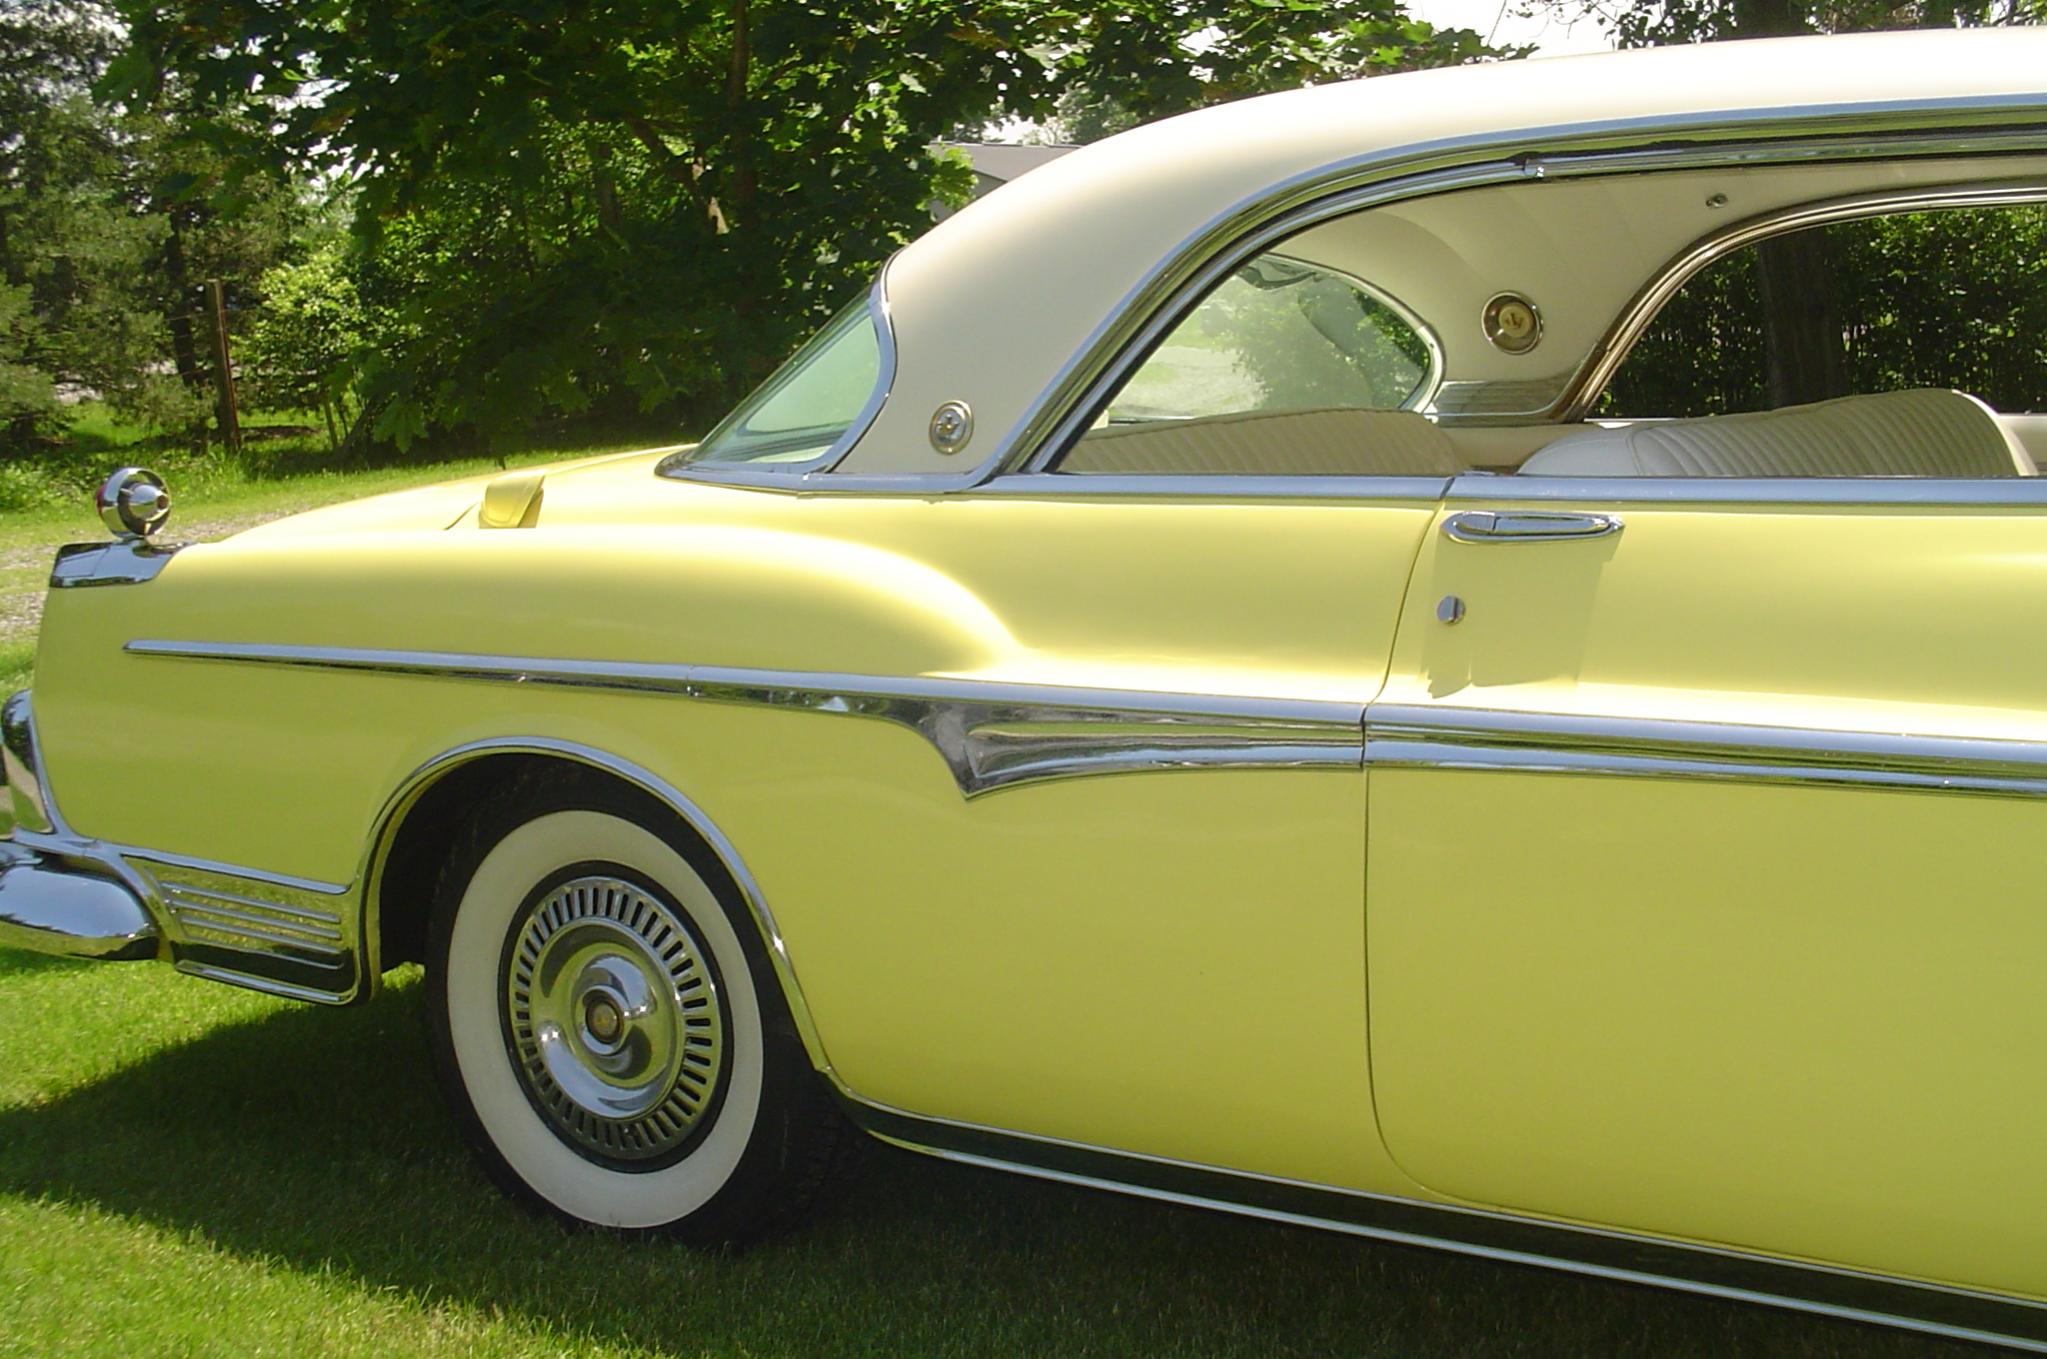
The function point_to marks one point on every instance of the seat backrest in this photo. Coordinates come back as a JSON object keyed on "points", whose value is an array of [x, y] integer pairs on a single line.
{"points": [[1330, 443], [1924, 432]]}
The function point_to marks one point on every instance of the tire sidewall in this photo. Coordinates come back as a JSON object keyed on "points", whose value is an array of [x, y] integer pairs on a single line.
{"points": [[480, 907]]}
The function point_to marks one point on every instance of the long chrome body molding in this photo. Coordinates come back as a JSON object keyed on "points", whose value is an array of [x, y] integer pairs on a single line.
{"points": [[994, 735], [1472, 738], [1714, 1271], [991, 735]]}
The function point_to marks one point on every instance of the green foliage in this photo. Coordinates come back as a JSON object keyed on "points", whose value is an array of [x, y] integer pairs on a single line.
{"points": [[1637, 24], [110, 215], [597, 211], [1955, 298], [1132, 63], [303, 349]]}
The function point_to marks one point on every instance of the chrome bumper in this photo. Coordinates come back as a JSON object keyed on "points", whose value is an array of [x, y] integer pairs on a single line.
{"points": [[46, 907], [48, 904]]}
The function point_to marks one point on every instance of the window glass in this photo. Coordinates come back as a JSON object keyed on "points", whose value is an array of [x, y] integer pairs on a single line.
{"points": [[1954, 298], [1278, 335], [810, 403]]}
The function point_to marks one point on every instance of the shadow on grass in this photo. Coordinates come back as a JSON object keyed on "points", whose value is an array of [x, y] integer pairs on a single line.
{"points": [[313, 1140]]}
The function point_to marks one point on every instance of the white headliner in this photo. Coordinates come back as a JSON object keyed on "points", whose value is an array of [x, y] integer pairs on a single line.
{"points": [[991, 304]]}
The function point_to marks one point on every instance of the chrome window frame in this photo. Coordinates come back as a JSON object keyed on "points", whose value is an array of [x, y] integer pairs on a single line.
{"points": [[1432, 373], [1606, 357], [679, 466]]}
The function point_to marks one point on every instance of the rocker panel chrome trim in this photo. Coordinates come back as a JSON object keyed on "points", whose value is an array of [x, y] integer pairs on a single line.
{"points": [[1533, 742], [1624, 1257], [991, 735]]}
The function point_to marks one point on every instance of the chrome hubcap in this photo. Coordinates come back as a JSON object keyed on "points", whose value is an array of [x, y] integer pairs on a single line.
{"points": [[614, 1019]]}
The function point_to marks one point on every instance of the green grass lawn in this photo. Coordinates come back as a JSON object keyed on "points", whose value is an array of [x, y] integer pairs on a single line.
{"points": [[191, 1170], [187, 1169]]}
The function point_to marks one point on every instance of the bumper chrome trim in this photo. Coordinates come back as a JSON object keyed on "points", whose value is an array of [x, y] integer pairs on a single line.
{"points": [[46, 907]]}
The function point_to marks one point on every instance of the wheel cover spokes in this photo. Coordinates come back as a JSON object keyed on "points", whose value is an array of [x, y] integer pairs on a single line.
{"points": [[613, 1018]]}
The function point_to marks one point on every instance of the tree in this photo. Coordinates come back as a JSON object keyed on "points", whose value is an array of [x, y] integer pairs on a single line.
{"points": [[1804, 354], [1131, 63], [305, 346], [577, 211], [110, 215]]}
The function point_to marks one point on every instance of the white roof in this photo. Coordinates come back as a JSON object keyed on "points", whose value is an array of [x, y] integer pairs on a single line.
{"points": [[990, 305]]}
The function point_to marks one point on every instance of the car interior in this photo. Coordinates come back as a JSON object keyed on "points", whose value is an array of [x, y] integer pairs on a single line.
{"points": [[1646, 344]]}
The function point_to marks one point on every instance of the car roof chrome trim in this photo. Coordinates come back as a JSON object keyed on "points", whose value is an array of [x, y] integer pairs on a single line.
{"points": [[677, 466], [1715, 1271], [2010, 492]]}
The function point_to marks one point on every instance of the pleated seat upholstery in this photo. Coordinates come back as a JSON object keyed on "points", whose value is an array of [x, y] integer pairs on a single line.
{"points": [[1328, 443], [1925, 432]]}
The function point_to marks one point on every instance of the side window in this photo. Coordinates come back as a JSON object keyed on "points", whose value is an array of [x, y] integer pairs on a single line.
{"points": [[1280, 370], [1953, 299]]}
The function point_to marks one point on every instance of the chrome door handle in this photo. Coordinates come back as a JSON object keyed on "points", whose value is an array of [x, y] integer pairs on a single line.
{"points": [[1527, 526]]}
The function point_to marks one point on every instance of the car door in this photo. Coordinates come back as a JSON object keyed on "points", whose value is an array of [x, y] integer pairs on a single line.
{"points": [[1704, 865]]}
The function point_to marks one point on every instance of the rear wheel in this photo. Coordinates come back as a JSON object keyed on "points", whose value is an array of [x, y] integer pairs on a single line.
{"points": [[607, 1028]]}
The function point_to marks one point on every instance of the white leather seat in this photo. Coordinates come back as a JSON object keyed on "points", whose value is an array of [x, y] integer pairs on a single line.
{"points": [[1330, 443], [1924, 432]]}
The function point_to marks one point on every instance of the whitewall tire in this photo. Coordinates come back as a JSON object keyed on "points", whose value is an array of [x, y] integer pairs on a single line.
{"points": [[606, 1027]]}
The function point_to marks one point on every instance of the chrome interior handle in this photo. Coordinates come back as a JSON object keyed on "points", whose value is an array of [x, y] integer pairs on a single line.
{"points": [[1528, 526]]}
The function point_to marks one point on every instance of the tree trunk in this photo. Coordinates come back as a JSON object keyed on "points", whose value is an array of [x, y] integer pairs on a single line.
{"points": [[184, 336], [1805, 354]]}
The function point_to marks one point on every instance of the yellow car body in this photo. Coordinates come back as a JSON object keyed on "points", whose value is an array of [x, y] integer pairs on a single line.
{"points": [[1652, 896]]}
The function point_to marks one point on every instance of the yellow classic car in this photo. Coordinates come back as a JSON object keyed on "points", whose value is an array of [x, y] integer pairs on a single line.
{"points": [[1227, 675]]}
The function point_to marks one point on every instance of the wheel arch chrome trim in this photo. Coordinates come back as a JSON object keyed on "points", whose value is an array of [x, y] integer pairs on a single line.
{"points": [[1714, 1271], [406, 795]]}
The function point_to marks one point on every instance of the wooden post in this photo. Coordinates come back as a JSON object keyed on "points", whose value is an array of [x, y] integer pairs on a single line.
{"points": [[223, 369]]}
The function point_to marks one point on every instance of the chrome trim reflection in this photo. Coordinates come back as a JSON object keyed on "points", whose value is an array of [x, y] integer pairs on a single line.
{"points": [[1534, 742], [1714, 1271], [1528, 526], [47, 906], [991, 735], [126, 561], [270, 932], [1991, 492], [30, 806]]}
